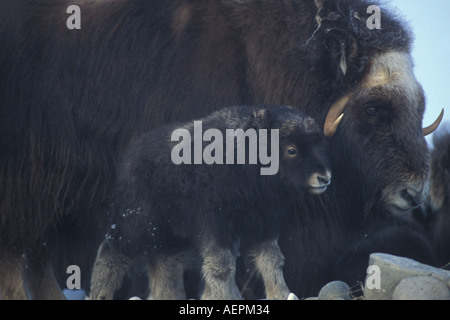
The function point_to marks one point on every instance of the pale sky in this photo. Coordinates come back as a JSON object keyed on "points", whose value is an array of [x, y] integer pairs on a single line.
{"points": [[430, 22]]}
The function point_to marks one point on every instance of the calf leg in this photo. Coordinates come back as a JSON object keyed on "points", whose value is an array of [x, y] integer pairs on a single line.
{"points": [[166, 276], [219, 271], [109, 270], [269, 262], [12, 282]]}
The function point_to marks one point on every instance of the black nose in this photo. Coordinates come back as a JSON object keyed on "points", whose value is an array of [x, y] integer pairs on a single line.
{"points": [[413, 196], [324, 180]]}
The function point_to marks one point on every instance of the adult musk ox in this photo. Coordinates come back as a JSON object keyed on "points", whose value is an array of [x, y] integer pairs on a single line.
{"points": [[72, 100], [217, 197], [438, 202]]}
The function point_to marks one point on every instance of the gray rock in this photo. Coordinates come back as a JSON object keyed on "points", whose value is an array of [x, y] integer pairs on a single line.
{"points": [[393, 269], [336, 290], [292, 296], [421, 288]]}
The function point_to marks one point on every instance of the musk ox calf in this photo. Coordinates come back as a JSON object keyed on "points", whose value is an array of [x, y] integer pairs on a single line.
{"points": [[182, 193]]}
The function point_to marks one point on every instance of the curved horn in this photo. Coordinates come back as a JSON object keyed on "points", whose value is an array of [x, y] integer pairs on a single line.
{"points": [[332, 129], [335, 115], [430, 129]]}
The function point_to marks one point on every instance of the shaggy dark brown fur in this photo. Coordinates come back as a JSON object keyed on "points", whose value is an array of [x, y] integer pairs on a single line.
{"points": [[71, 101]]}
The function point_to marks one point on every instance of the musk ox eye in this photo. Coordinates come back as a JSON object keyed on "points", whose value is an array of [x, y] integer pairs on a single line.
{"points": [[373, 111], [291, 151]]}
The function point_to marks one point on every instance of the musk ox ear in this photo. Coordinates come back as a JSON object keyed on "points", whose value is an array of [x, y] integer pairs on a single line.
{"points": [[260, 119], [337, 49]]}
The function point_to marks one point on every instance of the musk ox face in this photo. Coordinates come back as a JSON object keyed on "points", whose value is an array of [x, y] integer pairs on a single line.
{"points": [[304, 163], [382, 129]]}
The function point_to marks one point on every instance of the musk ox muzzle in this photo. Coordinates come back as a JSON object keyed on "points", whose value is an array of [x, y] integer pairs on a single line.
{"points": [[406, 196], [319, 182]]}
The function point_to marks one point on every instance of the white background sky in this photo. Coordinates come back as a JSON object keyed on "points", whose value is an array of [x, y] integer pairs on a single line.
{"points": [[430, 22]]}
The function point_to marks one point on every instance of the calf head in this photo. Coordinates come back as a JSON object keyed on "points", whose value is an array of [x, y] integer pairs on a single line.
{"points": [[302, 152]]}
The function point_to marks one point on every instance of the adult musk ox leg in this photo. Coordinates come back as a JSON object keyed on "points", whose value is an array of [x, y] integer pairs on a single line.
{"points": [[166, 276], [219, 272], [12, 281], [269, 262], [109, 270], [41, 281]]}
